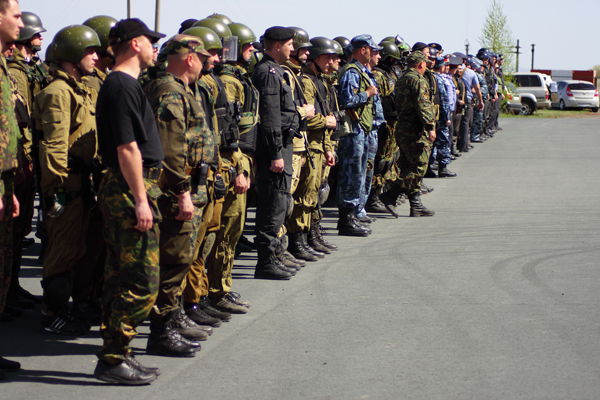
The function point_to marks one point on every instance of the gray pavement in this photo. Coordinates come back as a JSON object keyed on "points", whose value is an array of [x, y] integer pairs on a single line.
{"points": [[494, 297]]}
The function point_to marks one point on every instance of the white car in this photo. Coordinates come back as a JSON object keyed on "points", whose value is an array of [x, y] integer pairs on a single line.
{"points": [[576, 94]]}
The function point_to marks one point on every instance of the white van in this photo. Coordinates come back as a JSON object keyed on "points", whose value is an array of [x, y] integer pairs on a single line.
{"points": [[535, 84]]}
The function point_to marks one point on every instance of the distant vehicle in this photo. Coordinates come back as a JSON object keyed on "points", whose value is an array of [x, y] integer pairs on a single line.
{"points": [[535, 84], [576, 94], [513, 100]]}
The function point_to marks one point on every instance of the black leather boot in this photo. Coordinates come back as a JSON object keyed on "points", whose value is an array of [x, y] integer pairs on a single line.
{"points": [[268, 267], [444, 172], [389, 198], [308, 248], [164, 340], [297, 249], [314, 242], [348, 225], [417, 209]]}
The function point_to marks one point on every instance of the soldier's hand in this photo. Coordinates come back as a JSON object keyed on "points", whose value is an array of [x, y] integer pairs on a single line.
{"points": [[277, 165], [241, 184], [1, 209], [330, 121], [329, 159], [372, 91], [144, 216], [310, 110], [16, 207], [186, 207], [479, 105], [431, 135], [448, 123]]}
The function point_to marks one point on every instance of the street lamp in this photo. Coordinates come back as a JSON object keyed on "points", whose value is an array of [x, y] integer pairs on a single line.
{"points": [[467, 44], [532, 54]]}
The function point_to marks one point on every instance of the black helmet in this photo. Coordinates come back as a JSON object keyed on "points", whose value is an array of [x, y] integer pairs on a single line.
{"points": [[301, 39], [343, 41], [101, 24], [390, 49], [32, 25], [338, 48], [244, 35], [321, 45], [70, 43], [223, 18]]}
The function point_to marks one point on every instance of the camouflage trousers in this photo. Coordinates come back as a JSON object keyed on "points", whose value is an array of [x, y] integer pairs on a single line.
{"points": [[306, 195], [385, 169], [6, 238], [131, 275], [413, 161], [476, 126], [441, 147], [356, 153], [195, 284]]}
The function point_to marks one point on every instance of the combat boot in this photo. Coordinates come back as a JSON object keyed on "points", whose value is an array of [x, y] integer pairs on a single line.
{"points": [[308, 248], [348, 225], [298, 250], [164, 340], [444, 172], [417, 209], [124, 373], [365, 219], [293, 259], [200, 317], [268, 267], [283, 259], [204, 305], [322, 240], [389, 199], [374, 205], [430, 173], [314, 242], [188, 328]]}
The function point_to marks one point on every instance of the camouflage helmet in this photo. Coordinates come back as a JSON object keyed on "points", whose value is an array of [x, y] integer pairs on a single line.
{"points": [[32, 25], [338, 48], [244, 35], [209, 37], [102, 25], [223, 18], [301, 40], [390, 49], [70, 43], [343, 41], [320, 46], [216, 25]]}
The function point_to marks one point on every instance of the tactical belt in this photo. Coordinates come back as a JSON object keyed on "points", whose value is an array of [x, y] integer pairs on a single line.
{"points": [[147, 173]]}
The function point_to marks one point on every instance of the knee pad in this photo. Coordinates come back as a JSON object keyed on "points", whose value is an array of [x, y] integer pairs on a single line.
{"points": [[57, 291], [290, 207]]}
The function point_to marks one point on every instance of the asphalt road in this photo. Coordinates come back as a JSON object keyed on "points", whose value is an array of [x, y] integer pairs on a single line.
{"points": [[494, 297]]}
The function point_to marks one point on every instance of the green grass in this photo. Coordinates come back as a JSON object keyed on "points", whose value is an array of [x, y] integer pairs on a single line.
{"points": [[551, 113]]}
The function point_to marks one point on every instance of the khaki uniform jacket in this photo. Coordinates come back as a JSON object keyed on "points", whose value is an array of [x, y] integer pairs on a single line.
{"points": [[65, 114]]}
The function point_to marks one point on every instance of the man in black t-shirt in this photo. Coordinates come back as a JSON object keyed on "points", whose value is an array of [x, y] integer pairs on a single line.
{"points": [[130, 147]]}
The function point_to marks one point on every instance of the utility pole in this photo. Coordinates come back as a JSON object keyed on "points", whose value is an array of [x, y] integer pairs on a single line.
{"points": [[467, 46], [157, 17], [128, 9], [532, 55], [518, 47]]}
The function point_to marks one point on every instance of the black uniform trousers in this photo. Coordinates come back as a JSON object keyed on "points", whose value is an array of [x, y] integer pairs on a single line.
{"points": [[463, 132]]}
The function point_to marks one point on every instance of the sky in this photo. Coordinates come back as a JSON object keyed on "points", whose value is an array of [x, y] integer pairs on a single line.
{"points": [[557, 28]]}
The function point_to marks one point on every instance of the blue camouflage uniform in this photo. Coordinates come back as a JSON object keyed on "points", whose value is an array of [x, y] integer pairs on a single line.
{"points": [[477, 125], [441, 145]]}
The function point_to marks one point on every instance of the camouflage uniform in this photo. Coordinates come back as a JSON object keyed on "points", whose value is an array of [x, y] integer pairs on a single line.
{"points": [[9, 136], [477, 124], [195, 285], [415, 118], [188, 143], [64, 113], [30, 80], [385, 169]]}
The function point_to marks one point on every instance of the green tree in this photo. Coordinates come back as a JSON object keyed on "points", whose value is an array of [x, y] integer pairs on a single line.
{"points": [[497, 35]]}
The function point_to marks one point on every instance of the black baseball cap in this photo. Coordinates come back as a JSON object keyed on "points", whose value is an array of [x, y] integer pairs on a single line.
{"points": [[127, 29]]}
